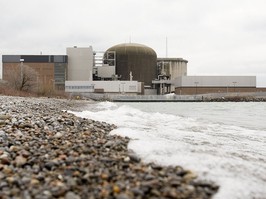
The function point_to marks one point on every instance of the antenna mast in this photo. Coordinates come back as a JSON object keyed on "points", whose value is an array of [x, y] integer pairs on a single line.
{"points": [[166, 48]]}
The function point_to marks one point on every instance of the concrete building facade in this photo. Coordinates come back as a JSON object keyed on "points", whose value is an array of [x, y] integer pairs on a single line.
{"points": [[189, 85], [168, 70], [172, 67], [119, 87], [80, 63]]}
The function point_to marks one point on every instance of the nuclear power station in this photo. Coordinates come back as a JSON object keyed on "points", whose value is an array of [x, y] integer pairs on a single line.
{"points": [[127, 68]]}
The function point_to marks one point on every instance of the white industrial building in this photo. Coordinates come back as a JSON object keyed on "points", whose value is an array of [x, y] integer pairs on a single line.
{"points": [[188, 85], [214, 84], [119, 87]]}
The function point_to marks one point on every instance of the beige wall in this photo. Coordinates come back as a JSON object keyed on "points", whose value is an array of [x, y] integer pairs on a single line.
{"points": [[106, 71], [80, 64], [205, 90], [215, 81], [173, 67], [178, 68]]}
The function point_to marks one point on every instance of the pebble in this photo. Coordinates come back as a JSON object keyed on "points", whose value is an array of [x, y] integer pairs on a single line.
{"points": [[72, 195], [133, 157], [20, 161], [47, 153]]}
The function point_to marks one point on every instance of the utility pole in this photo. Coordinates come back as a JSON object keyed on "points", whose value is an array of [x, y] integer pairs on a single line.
{"points": [[166, 47]]}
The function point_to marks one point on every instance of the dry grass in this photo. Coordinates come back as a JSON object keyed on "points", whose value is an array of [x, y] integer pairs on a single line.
{"points": [[5, 89]]}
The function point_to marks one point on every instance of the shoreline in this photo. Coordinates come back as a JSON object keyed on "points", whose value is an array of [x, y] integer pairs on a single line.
{"points": [[212, 97], [46, 152]]}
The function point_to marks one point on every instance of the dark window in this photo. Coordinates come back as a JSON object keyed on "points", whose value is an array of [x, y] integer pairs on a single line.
{"points": [[35, 58]]}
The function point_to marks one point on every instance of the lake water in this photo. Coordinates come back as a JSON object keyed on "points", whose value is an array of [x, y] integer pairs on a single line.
{"points": [[223, 142]]}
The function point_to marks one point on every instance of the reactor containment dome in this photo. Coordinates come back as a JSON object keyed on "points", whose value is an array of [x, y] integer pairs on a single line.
{"points": [[134, 61]]}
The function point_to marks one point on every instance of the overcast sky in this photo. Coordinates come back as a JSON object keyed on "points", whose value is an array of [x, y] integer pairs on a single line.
{"points": [[217, 37]]}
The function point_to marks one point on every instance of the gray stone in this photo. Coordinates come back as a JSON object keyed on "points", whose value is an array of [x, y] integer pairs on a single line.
{"points": [[71, 195], [133, 157]]}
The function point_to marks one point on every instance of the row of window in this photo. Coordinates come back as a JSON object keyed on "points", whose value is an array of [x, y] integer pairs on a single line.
{"points": [[79, 87], [131, 88]]}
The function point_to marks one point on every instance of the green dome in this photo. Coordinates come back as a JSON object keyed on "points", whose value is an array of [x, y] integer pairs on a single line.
{"points": [[136, 58]]}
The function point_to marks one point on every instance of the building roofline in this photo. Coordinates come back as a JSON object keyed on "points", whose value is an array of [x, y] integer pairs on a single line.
{"points": [[171, 59]]}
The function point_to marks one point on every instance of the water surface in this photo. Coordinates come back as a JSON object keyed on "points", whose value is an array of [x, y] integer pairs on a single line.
{"points": [[222, 142]]}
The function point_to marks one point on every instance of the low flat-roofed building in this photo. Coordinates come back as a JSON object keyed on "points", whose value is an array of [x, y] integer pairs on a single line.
{"points": [[187, 85], [51, 70]]}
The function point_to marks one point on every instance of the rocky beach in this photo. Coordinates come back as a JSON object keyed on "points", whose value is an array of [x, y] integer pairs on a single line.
{"points": [[46, 152]]}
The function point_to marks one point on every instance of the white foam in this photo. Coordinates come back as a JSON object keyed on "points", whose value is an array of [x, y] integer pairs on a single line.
{"points": [[232, 156]]}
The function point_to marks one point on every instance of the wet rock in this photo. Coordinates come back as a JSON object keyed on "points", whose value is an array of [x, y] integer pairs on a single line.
{"points": [[133, 157], [155, 166], [189, 176]]}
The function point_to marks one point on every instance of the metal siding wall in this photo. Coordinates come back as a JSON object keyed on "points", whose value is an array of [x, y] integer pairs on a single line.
{"points": [[219, 81], [106, 71], [10, 58]]}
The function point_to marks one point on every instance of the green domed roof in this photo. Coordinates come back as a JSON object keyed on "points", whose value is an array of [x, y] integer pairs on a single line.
{"points": [[132, 48], [136, 59]]}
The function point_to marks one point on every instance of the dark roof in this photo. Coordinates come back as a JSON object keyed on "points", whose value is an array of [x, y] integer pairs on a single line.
{"points": [[34, 58], [132, 48]]}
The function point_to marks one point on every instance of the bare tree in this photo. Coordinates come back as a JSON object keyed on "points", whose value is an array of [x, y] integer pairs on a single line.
{"points": [[22, 77]]}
